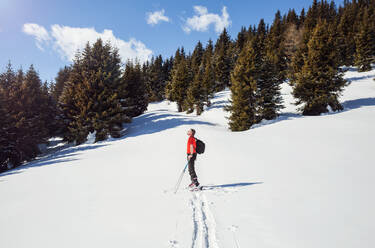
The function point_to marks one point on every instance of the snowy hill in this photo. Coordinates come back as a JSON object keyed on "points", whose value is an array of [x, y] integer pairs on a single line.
{"points": [[292, 182]]}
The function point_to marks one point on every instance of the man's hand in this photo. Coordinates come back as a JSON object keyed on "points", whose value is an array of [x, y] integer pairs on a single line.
{"points": [[190, 156]]}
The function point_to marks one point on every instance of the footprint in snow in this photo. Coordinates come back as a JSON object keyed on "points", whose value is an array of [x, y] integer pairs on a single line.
{"points": [[173, 243]]}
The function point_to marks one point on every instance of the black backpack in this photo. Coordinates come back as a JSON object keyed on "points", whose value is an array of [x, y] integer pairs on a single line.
{"points": [[200, 146]]}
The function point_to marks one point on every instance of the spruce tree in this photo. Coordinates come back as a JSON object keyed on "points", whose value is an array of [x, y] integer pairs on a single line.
{"points": [[34, 103], [75, 129], [168, 87], [9, 96], [292, 17], [222, 61], [91, 100], [49, 111], [99, 97], [275, 47], [133, 90], [208, 80], [194, 93], [292, 38], [60, 80], [196, 58], [297, 60], [156, 83], [268, 96], [9, 154], [302, 17], [345, 43], [365, 44], [179, 82], [240, 41], [271, 63], [319, 82], [243, 100], [312, 18], [167, 68], [28, 114]]}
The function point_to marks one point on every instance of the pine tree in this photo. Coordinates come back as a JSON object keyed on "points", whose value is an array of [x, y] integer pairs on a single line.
{"points": [[302, 18], [241, 40], [99, 94], [271, 66], [268, 96], [196, 58], [10, 87], [194, 93], [365, 44], [90, 100], [168, 87], [8, 140], [179, 81], [319, 82], [49, 111], [292, 38], [167, 68], [73, 122], [292, 17], [346, 46], [297, 60], [60, 80], [222, 61], [275, 48], [28, 114], [31, 96], [195, 96], [133, 90], [156, 83], [243, 100], [208, 80]]}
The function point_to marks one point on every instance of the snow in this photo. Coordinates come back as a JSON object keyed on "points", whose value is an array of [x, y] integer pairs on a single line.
{"points": [[292, 182], [91, 138]]}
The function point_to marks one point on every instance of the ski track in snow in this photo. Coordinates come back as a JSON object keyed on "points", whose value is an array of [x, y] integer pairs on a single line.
{"points": [[204, 225]]}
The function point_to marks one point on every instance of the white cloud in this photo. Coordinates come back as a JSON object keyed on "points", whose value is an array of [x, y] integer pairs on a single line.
{"points": [[154, 18], [67, 40], [203, 19], [39, 32]]}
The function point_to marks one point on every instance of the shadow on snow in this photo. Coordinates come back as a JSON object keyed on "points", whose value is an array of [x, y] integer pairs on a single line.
{"points": [[61, 156], [157, 121], [217, 105], [232, 185], [358, 103]]}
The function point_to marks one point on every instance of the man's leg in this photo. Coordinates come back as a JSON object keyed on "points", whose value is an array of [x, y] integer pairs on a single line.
{"points": [[193, 175]]}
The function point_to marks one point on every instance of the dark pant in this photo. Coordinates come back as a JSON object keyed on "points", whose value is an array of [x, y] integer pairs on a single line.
{"points": [[192, 173]]}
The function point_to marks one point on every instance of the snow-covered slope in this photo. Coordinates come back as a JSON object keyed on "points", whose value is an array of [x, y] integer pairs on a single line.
{"points": [[293, 182]]}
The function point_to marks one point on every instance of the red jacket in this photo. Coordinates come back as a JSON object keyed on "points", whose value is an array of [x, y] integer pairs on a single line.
{"points": [[191, 141]]}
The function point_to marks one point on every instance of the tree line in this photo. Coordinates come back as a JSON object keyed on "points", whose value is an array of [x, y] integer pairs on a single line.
{"points": [[97, 93], [309, 50]]}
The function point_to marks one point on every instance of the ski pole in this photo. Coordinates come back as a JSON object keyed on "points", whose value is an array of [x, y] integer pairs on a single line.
{"points": [[180, 179]]}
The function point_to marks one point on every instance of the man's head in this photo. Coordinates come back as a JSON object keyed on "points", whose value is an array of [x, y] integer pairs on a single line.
{"points": [[191, 132]]}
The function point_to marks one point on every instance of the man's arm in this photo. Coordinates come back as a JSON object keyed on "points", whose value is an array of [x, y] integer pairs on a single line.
{"points": [[191, 150]]}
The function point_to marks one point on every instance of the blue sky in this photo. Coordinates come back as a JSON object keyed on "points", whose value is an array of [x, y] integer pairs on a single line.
{"points": [[46, 33]]}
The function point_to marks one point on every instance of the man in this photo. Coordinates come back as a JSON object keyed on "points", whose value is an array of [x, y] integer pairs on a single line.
{"points": [[191, 156]]}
